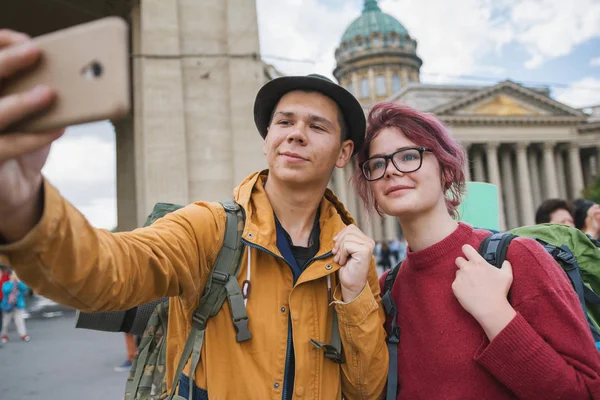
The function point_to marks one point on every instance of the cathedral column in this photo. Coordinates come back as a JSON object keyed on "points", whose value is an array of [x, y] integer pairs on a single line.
{"points": [[525, 195], [390, 227], [576, 171], [596, 172], [508, 189], [560, 173], [534, 173], [478, 166], [351, 198], [551, 183], [377, 223], [388, 81], [339, 178], [494, 173], [372, 88], [355, 85], [467, 168]]}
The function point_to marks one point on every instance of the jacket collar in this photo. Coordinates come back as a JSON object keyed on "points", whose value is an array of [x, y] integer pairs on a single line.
{"points": [[260, 222]]}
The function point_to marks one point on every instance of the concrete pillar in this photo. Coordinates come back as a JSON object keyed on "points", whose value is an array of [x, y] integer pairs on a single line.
{"points": [[478, 166], [508, 189], [494, 174], [126, 187], [160, 135], [244, 81], [534, 176], [576, 177], [560, 173], [525, 192], [551, 183], [340, 184]]}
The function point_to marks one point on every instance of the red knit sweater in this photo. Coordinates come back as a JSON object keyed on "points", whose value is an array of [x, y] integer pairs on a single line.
{"points": [[545, 352]]}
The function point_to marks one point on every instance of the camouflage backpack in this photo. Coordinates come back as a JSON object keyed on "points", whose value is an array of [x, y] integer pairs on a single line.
{"points": [[147, 377]]}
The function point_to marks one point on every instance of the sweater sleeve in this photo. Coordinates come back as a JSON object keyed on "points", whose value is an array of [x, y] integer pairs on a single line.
{"points": [[547, 350]]}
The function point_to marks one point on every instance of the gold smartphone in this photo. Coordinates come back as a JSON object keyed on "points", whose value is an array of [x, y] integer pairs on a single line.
{"points": [[88, 66]]}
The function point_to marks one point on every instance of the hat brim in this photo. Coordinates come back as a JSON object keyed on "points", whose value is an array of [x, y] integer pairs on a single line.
{"points": [[270, 94]]}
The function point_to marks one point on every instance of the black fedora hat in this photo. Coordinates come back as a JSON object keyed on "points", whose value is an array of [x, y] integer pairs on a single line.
{"points": [[268, 97]]}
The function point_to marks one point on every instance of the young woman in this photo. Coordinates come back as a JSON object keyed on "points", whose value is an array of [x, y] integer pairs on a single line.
{"points": [[467, 329]]}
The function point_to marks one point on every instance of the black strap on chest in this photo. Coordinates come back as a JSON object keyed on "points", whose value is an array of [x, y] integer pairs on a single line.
{"points": [[393, 333]]}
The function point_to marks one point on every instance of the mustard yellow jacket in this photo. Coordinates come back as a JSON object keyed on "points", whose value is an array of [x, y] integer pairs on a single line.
{"points": [[67, 260]]}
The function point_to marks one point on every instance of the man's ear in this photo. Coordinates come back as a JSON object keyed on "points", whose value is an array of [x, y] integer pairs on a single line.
{"points": [[345, 153]]}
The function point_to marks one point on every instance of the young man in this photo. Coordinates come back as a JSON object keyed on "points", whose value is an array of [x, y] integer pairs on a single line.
{"points": [[301, 257], [554, 211]]}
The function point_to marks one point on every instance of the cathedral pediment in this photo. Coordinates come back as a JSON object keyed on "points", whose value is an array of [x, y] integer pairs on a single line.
{"points": [[506, 99]]}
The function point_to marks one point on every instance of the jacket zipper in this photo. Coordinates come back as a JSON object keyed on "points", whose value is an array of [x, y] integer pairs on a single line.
{"points": [[289, 339]]}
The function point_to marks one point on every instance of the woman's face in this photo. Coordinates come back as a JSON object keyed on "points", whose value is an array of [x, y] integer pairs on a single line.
{"points": [[401, 194]]}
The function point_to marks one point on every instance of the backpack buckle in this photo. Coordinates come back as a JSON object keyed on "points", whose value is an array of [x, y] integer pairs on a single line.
{"points": [[220, 277], [200, 319], [565, 255], [242, 331], [329, 351]]}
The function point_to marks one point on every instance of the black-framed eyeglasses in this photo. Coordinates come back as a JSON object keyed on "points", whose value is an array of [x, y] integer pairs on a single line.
{"points": [[408, 159]]}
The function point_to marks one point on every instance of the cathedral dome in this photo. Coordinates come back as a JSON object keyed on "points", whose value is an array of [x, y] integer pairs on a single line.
{"points": [[373, 21]]}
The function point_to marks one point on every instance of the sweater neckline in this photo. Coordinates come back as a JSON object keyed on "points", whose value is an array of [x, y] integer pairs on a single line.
{"points": [[424, 258]]}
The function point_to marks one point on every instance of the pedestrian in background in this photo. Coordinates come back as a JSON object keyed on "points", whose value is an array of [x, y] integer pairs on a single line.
{"points": [[13, 307]]}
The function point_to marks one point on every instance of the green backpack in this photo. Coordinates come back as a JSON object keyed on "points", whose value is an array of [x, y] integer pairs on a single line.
{"points": [[147, 377], [572, 249]]}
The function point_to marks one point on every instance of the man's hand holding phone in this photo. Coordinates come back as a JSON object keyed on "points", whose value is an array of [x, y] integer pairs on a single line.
{"points": [[22, 154]]}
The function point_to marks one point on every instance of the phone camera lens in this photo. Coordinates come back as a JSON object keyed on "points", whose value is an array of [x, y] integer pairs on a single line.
{"points": [[96, 69]]}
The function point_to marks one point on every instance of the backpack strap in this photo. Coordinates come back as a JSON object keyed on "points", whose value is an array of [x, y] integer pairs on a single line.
{"points": [[222, 283], [393, 334], [494, 248], [332, 351]]}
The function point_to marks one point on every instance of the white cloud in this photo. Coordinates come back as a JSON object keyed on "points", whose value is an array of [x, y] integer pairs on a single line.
{"points": [[583, 93], [82, 165], [302, 30], [454, 37], [552, 28], [595, 62]]}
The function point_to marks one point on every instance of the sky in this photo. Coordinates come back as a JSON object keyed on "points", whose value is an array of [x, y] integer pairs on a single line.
{"points": [[551, 43]]}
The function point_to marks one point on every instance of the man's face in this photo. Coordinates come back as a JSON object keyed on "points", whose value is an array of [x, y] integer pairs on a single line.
{"points": [[303, 142], [562, 216]]}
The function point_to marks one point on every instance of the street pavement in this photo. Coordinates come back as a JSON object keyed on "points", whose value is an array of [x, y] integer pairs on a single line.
{"points": [[61, 362]]}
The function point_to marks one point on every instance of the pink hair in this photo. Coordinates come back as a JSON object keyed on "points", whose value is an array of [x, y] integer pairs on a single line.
{"points": [[423, 129]]}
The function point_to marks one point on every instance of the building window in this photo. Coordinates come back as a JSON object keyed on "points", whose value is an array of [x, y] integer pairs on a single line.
{"points": [[396, 85], [350, 88], [376, 41], [380, 85], [364, 88]]}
